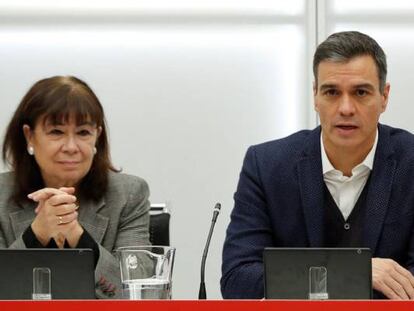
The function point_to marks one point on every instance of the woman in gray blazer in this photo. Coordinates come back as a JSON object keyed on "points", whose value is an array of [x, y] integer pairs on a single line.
{"points": [[63, 191]]}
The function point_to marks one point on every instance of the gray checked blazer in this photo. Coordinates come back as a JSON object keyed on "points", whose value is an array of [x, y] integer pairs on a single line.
{"points": [[119, 219]]}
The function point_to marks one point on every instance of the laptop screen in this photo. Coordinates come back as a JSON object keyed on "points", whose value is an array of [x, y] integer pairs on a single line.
{"points": [[317, 273], [66, 273]]}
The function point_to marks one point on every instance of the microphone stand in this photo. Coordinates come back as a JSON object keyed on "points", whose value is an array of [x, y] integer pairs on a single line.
{"points": [[202, 292]]}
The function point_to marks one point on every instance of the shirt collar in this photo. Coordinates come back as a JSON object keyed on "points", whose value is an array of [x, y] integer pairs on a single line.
{"points": [[368, 161]]}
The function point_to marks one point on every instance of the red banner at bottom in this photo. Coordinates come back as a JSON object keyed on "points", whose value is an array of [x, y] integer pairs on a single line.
{"points": [[207, 305]]}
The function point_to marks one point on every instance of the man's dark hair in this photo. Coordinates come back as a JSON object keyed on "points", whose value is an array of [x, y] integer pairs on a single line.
{"points": [[343, 46], [55, 100]]}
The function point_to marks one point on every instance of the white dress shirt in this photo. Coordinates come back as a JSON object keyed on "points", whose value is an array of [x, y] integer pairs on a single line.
{"points": [[346, 190]]}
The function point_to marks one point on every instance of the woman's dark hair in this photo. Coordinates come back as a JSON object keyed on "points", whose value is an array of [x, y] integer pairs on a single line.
{"points": [[55, 100]]}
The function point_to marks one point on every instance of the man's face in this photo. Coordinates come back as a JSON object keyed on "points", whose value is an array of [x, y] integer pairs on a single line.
{"points": [[349, 102]]}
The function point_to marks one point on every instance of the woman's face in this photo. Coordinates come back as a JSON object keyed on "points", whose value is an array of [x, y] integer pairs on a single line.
{"points": [[64, 152]]}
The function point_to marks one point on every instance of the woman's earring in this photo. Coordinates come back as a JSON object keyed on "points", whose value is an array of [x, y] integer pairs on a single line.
{"points": [[30, 150], [94, 150]]}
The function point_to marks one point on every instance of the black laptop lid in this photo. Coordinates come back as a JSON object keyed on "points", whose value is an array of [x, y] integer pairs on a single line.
{"points": [[71, 272], [288, 272]]}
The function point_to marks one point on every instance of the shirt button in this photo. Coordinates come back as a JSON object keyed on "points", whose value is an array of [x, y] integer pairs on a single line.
{"points": [[347, 226]]}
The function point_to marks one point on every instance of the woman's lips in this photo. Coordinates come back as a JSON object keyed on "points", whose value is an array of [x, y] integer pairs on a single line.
{"points": [[69, 163]]}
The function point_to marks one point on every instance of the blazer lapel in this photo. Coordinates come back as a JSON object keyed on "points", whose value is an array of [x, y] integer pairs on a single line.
{"points": [[311, 189], [22, 218], [95, 223], [379, 190]]}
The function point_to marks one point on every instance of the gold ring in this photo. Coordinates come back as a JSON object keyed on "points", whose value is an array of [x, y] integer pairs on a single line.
{"points": [[60, 220]]}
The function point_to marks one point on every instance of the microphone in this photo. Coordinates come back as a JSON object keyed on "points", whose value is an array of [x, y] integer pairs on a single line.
{"points": [[202, 292]]}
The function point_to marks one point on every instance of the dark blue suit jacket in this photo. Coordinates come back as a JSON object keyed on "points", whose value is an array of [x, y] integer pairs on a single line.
{"points": [[279, 203]]}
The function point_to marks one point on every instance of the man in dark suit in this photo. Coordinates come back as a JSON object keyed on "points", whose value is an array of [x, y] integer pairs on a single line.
{"points": [[347, 183]]}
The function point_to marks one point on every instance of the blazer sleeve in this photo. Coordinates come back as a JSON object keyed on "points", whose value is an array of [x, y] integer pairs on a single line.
{"points": [[16, 244], [248, 233], [132, 231], [410, 261]]}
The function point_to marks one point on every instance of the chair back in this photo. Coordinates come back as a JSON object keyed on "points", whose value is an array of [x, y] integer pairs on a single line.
{"points": [[159, 224]]}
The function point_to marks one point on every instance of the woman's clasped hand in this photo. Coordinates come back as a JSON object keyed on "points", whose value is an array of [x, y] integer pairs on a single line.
{"points": [[56, 216]]}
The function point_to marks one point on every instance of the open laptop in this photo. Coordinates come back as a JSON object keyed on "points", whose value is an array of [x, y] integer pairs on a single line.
{"points": [[70, 271], [317, 273]]}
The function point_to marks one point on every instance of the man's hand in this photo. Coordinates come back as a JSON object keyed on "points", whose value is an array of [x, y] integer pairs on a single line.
{"points": [[389, 278]]}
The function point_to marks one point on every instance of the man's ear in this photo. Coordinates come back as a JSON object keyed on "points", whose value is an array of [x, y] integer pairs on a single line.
{"points": [[315, 102], [385, 95], [27, 134]]}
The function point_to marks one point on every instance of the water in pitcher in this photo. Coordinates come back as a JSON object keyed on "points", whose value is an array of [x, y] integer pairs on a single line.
{"points": [[146, 289]]}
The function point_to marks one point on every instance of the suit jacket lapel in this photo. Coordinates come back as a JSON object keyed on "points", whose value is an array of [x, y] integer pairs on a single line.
{"points": [[311, 189], [379, 190], [94, 222]]}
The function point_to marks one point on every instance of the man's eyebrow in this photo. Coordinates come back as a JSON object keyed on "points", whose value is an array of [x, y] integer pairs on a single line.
{"points": [[357, 86], [364, 86], [327, 86]]}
